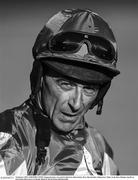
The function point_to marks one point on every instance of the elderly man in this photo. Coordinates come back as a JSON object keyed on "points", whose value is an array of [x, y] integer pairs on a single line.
{"points": [[75, 60]]}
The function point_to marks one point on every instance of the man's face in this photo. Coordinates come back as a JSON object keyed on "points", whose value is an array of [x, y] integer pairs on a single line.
{"points": [[66, 101]]}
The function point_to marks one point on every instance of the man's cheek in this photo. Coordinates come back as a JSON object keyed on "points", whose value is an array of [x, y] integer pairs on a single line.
{"points": [[88, 105], [55, 108]]}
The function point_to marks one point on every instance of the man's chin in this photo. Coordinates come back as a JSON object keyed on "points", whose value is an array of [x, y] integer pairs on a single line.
{"points": [[64, 126], [61, 130]]}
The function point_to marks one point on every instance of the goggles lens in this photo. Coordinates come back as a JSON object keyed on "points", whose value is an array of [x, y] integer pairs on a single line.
{"points": [[72, 42]]}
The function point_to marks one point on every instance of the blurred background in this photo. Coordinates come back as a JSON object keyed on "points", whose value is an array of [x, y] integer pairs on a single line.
{"points": [[20, 22]]}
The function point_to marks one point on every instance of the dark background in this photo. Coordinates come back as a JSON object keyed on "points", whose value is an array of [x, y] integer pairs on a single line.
{"points": [[20, 22]]}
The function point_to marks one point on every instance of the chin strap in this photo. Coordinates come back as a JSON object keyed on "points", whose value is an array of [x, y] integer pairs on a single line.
{"points": [[42, 121], [35, 77], [99, 99], [99, 107], [43, 133]]}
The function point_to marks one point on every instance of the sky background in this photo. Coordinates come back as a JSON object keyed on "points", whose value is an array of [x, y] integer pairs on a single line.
{"points": [[21, 21]]}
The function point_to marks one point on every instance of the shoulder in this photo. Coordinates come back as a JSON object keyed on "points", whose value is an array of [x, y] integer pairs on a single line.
{"points": [[6, 120], [17, 139], [13, 122], [101, 142], [108, 165]]}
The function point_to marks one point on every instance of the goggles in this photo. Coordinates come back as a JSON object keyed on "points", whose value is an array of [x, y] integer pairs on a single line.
{"points": [[70, 42]]}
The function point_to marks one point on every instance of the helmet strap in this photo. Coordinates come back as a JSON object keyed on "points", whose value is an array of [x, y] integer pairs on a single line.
{"points": [[99, 99], [35, 77], [99, 107], [42, 121]]}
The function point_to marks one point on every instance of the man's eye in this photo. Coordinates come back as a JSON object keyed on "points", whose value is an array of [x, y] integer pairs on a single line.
{"points": [[90, 90], [65, 84]]}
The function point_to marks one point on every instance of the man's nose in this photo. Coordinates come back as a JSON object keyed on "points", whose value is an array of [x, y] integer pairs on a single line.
{"points": [[75, 100]]}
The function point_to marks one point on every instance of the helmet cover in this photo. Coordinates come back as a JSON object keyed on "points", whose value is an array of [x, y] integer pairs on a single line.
{"points": [[80, 22]]}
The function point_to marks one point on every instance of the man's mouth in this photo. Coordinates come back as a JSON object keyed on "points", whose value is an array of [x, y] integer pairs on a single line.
{"points": [[69, 114], [69, 117]]}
